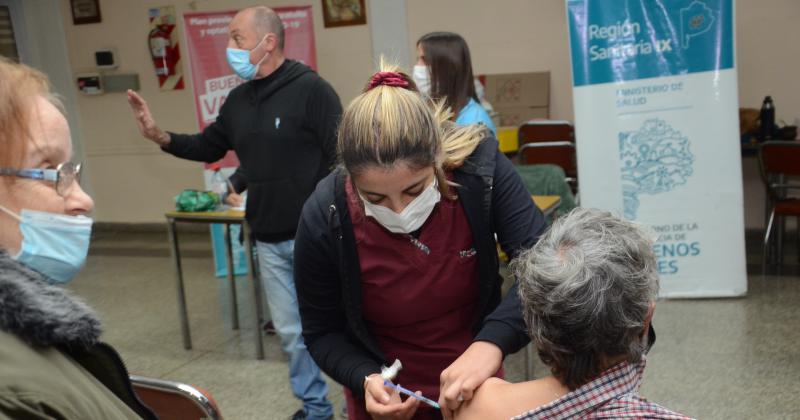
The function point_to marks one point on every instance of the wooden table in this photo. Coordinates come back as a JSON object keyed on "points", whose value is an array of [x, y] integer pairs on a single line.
{"points": [[227, 218], [547, 203]]}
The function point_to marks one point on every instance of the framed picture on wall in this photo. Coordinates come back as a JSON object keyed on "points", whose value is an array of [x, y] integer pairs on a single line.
{"points": [[343, 13], [85, 11]]}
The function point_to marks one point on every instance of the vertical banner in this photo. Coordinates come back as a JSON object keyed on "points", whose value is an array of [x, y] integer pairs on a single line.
{"points": [[165, 48], [656, 112], [206, 36]]}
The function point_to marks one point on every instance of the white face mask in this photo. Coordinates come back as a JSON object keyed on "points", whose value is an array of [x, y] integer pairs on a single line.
{"points": [[412, 217], [423, 79]]}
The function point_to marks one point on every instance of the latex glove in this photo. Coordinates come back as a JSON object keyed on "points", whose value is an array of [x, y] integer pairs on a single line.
{"points": [[478, 363], [384, 403], [145, 121]]}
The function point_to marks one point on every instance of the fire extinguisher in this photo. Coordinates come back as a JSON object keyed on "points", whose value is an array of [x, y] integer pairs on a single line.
{"points": [[160, 51]]}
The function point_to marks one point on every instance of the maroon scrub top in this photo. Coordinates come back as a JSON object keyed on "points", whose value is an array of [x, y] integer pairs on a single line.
{"points": [[420, 295]]}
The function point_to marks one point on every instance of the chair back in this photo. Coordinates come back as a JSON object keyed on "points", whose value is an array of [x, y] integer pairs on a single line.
{"points": [[776, 160], [555, 135], [174, 400], [780, 157]]}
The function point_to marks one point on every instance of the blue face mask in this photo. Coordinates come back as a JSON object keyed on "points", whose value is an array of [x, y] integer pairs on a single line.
{"points": [[53, 244], [239, 61]]}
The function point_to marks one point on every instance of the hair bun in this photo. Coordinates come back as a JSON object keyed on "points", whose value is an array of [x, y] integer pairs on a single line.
{"points": [[388, 78]]}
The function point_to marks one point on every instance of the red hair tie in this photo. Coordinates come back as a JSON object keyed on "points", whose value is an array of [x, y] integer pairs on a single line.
{"points": [[387, 78]]}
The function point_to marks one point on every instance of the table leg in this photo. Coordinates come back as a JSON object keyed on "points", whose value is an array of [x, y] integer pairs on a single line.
{"points": [[529, 362], [780, 223], [182, 311], [231, 277], [257, 293], [766, 250]]}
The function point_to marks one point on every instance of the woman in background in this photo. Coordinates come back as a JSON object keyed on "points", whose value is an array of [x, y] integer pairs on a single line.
{"points": [[444, 72]]}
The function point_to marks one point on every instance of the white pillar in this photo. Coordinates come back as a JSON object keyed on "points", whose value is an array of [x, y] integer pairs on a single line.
{"points": [[389, 28]]}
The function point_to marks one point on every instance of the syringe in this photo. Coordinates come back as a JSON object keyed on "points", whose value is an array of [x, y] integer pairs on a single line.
{"points": [[402, 390]]}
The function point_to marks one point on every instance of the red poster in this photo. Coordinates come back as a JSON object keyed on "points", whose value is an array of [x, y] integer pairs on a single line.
{"points": [[299, 34], [212, 79]]}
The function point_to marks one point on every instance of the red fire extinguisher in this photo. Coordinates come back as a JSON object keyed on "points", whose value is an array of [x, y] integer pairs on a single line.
{"points": [[160, 51]]}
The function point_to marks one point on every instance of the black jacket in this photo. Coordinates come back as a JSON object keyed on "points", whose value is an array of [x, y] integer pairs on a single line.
{"points": [[327, 270], [283, 129]]}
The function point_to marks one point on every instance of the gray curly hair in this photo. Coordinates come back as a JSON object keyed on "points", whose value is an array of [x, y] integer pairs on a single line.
{"points": [[586, 290]]}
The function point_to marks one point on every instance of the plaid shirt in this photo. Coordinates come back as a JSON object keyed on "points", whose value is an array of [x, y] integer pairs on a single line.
{"points": [[613, 395]]}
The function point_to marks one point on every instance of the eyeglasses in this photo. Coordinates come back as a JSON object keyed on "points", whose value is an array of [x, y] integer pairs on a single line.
{"points": [[63, 176]]}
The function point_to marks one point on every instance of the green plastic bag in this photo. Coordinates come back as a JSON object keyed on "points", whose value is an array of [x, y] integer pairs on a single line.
{"points": [[194, 200]]}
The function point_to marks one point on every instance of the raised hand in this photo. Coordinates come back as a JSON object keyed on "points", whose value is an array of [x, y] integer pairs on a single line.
{"points": [[144, 120]]}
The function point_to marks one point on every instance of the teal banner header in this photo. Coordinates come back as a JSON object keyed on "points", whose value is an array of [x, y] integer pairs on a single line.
{"points": [[624, 40]]}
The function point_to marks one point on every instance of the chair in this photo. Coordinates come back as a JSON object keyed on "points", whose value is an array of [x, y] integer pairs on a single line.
{"points": [[549, 141], [548, 180], [174, 400], [778, 160]]}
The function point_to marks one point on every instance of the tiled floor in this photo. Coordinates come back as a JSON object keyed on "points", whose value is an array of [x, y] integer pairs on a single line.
{"points": [[714, 359]]}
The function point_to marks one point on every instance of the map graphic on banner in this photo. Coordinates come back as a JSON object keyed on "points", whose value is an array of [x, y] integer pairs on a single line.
{"points": [[655, 159], [656, 118], [696, 20], [212, 80]]}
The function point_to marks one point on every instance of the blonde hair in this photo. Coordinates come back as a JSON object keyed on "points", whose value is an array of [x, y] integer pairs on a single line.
{"points": [[20, 86], [388, 124]]}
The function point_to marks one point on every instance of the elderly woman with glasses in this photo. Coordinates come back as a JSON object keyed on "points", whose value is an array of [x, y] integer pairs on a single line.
{"points": [[52, 364], [588, 292]]}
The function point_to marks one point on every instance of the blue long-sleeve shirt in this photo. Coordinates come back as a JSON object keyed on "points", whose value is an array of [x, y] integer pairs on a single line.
{"points": [[473, 113]]}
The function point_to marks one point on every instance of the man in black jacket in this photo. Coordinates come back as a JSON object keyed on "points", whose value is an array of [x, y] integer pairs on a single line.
{"points": [[282, 125]]}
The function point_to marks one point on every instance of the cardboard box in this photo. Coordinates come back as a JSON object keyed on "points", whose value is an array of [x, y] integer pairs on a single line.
{"points": [[518, 97], [518, 89]]}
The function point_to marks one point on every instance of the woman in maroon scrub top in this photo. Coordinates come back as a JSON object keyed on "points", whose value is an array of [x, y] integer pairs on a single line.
{"points": [[396, 254]]}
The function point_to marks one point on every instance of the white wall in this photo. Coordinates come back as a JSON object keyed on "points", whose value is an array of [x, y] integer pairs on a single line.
{"points": [[45, 49], [531, 35], [134, 182], [768, 55], [389, 31], [505, 37]]}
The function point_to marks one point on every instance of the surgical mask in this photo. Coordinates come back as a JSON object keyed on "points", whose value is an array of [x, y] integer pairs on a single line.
{"points": [[412, 217], [422, 79], [53, 244], [239, 61]]}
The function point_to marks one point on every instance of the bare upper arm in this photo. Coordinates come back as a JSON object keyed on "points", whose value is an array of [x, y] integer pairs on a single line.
{"points": [[487, 402], [498, 399]]}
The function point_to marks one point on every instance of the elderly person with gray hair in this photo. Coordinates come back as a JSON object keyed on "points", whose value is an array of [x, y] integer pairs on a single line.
{"points": [[588, 292]]}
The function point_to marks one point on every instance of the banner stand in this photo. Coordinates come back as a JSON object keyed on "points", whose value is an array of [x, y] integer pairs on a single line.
{"points": [[656, 117]]}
